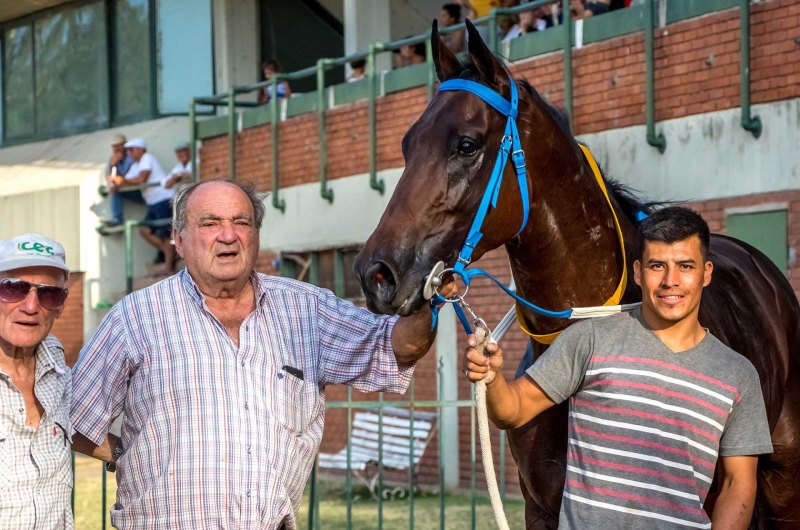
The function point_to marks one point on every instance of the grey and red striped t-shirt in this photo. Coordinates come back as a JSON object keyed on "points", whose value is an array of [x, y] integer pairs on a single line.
{"points": [[647, 424]]}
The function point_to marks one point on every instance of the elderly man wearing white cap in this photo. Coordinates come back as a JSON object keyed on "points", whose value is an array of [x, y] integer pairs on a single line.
{"points": [[146, 170], [35, 387], [182, 171]]}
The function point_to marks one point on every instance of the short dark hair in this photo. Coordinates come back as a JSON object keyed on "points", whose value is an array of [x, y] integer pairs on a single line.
{"points": [[358, 63], [419, 49], [454, 10], [272, 64], [672, 224]]}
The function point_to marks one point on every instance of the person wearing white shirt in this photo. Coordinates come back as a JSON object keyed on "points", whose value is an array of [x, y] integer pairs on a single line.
{"points": [[183, 169], [146, 170]]}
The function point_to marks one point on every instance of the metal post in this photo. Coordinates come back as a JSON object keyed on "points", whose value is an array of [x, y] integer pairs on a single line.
{"points": [[130, 224], [193, 138], [374, 183], [232, 133], [493, 30], [656, 140], [502, 445], [277, 202], [103, 500], [380, 461], [324, 191], [473, 457], [567, 21], [749, 123], [440, 398], [349, 481], [312, 495], [411, 479], [72, 494]]}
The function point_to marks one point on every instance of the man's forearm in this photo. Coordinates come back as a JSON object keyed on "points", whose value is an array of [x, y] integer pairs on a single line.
{"points": [[734, 506], [104, 451], [503, 402], [412, 337]]}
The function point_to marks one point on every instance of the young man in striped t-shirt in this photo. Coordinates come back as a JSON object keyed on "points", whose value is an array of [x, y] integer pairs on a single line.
{"points": [[655, 399]]}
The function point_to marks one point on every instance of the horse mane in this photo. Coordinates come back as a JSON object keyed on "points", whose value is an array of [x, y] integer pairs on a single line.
{"points": [[629, 200]]}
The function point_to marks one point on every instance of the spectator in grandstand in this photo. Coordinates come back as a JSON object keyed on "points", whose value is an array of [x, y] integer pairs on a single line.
{"points": [[120, 160], [450, 15], [182, 171], [584, 9], [271, 68], [413, 53], [221, 374], [147, 170], [538, 19], [358, 68], [509, 27], [35, 387]]}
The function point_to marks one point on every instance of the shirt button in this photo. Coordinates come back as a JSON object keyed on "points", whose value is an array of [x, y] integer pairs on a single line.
{"points": [[248, 449], [248, 493], [246, 407], [22, 410], [242, 364]]}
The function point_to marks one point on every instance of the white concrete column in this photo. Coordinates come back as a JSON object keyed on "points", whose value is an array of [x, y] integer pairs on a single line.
{"points": [[365, 22], [236, 43], [447, 358]]}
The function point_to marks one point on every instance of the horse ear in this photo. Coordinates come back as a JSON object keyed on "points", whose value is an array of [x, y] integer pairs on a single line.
{"points": [[446, 63], [488, 66]]}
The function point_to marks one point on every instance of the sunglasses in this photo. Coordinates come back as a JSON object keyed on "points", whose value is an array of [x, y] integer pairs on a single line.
{"points": [[50, 297]]}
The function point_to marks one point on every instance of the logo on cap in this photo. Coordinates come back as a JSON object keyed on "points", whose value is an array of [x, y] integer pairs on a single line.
{"points": [[28, 246]]}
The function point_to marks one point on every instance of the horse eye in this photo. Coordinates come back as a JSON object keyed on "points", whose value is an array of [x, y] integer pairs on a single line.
{"points": [[467, 147]]}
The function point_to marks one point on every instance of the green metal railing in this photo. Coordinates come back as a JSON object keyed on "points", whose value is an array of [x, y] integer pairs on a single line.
{"points": [[411, 404], [645, 22]]}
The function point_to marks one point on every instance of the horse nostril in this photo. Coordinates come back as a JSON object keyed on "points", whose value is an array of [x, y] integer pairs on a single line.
{"points": [[383, 280]]}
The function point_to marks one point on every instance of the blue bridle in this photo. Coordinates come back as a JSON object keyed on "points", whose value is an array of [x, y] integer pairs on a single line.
{"points": [[510, 147]]}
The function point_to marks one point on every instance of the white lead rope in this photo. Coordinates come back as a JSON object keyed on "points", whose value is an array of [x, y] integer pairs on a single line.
{"points": [[482, 340]]}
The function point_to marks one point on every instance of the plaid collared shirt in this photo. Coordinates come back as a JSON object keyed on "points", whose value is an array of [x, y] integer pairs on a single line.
{"points": [[35, 465], [215, 436]]}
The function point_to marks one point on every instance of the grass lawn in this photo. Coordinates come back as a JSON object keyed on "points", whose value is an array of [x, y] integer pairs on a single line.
{"points": [[332, 506]]}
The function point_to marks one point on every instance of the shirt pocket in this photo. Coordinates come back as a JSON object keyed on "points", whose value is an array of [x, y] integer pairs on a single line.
{"points": [[291, 402]]}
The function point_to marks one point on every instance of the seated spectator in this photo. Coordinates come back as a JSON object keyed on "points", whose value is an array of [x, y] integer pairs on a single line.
{"points": [[450, 15], [538, 19], [271, 68], [358, 66], [120, 160], [413, 54], [584, 9], [118, 166], [509, 28], [182, 171], [146, 169]]}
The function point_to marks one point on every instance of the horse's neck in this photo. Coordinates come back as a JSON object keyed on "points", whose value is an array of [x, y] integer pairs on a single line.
{"points": [[569, 254]]}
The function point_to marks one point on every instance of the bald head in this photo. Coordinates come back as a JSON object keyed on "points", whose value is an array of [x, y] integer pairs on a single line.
{"points": [[216, 232], [224, 187]]}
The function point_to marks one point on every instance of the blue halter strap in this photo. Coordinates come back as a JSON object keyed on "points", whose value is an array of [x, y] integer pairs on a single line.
{"points": [[510, 147]]}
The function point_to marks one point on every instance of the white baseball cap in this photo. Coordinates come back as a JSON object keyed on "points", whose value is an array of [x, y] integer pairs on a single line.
{"points": [[136, 142], [31, 250]]}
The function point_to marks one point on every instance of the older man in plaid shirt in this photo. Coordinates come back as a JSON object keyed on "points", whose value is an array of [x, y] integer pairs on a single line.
{"points": [[221, 375], [35, 387]]}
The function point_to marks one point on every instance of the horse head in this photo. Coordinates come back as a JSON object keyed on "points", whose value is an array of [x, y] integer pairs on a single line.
{"points": [[449, 153]]}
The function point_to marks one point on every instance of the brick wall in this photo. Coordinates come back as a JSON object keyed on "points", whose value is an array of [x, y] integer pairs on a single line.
{"points": [[697, 70], [69, 328], [714, 212]]}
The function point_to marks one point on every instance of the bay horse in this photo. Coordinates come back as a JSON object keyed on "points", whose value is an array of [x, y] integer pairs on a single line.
{"points": [[568, 255]]}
